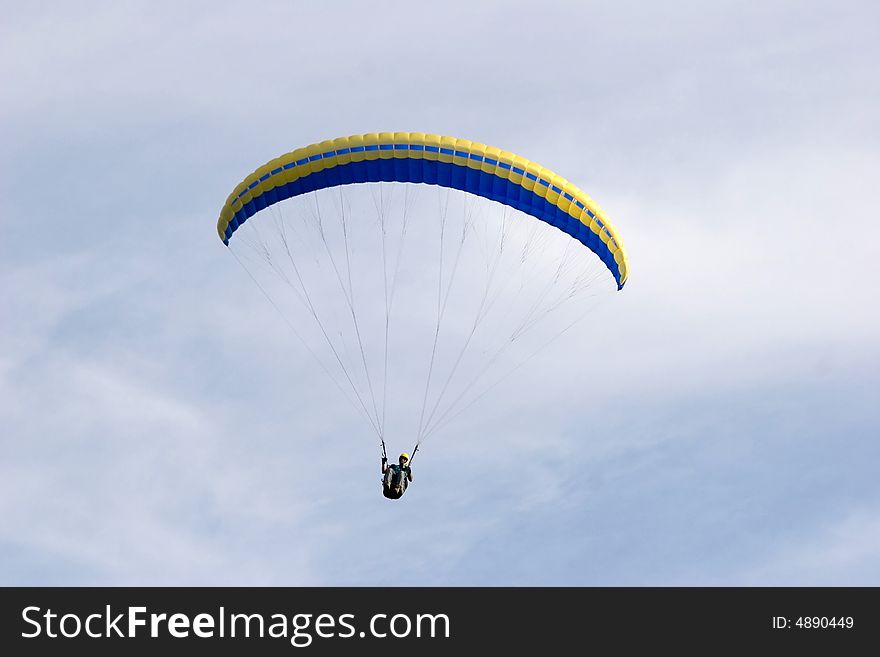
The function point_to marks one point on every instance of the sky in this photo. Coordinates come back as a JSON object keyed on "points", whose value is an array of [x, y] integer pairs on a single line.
{"points": [[715, 423]]}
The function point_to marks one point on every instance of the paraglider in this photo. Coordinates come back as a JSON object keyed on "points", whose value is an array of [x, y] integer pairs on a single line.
{"points": [[503, 245], [396, 477]]}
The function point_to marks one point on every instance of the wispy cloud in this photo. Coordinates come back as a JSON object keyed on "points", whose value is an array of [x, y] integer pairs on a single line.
{"points": [[160, 425]]}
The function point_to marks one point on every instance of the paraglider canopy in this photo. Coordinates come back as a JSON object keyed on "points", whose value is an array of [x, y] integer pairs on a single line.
{"points": [[417, 157], [548, 248]]}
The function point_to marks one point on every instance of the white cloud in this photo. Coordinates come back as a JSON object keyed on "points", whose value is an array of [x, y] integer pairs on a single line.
{"points": [[840, 552], [161, 425]]}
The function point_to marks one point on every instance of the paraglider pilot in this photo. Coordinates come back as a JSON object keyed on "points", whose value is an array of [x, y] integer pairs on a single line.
{"points": [[397, 476]]}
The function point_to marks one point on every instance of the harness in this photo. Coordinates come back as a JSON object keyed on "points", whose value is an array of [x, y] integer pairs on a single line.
{"points": [[411, 458]]}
